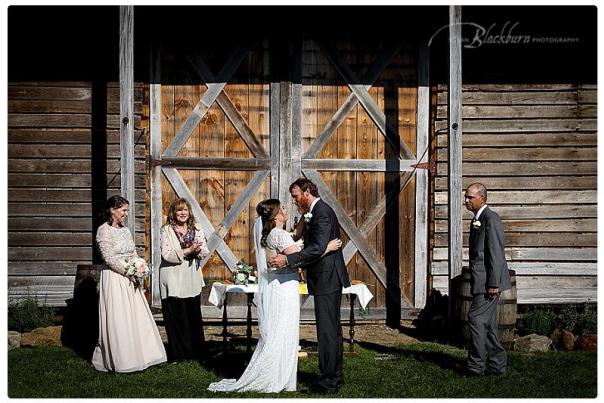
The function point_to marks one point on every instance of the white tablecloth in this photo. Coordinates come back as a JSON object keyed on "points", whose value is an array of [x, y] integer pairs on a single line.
{"points": [[219, 290], [362, 292]]}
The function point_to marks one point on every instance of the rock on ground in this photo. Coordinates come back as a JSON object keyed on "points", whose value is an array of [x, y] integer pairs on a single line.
{"points": [[14, 339], [588, 342], [42, 336], [532, 343]]}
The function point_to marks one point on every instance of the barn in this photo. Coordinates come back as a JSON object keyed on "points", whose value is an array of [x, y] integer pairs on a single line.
{"points": [[390, 110]]}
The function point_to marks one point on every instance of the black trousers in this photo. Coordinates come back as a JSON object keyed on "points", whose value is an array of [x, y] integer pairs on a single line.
{"points": [[182, 318], [329, 336]]}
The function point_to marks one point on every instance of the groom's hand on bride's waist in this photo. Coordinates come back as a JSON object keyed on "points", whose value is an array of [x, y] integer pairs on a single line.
{"points": [[279, 261]]}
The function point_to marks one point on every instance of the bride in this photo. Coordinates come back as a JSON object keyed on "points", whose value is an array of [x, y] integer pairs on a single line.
{"points": [[274, 364]]}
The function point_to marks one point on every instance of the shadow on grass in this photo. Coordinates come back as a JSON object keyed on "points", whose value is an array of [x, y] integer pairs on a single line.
{"points": [[226, 363], [80, 329], [442, 359]]}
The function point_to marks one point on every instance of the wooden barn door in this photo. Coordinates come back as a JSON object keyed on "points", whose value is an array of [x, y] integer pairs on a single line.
{"points": [[347, 119], [364, 134], [210, 145]]}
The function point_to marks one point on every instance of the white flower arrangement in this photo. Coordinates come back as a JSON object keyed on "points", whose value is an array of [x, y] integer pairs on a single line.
{"points": [[243, 274], [307, 217], [476, 224]]}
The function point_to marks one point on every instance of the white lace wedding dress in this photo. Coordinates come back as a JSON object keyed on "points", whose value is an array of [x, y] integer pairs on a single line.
{"points": [[274, 364]]}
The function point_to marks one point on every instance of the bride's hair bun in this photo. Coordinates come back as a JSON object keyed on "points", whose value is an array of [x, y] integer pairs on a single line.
{"points": [[267, 210]]}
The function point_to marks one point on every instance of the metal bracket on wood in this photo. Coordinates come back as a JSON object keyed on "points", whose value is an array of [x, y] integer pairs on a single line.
{"points": [[421, 165], [150, 163], [429, 165]]}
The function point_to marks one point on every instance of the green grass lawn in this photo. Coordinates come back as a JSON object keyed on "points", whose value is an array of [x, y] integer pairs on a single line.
{"points": [[421, 370]]}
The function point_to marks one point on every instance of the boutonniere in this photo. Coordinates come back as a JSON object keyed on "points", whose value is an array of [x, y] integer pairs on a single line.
{"points": [[476, 224], [307, 217]]}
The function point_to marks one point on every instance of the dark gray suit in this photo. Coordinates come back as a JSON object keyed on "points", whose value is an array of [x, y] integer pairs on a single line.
{"points": [[488, 270], [326, 275]]}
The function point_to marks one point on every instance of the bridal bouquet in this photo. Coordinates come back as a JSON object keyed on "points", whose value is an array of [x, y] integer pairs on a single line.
{"points": [[243, 274], [137, 269]]}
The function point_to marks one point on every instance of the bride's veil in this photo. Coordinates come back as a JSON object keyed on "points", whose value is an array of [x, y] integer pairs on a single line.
{"points": [[262, 278]]}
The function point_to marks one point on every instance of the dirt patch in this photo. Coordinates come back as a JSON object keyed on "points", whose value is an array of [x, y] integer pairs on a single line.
{"points": [[363, 333]]}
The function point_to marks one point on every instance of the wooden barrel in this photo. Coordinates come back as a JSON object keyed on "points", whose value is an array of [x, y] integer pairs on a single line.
{"points": [[87, 275], [506, 310]]}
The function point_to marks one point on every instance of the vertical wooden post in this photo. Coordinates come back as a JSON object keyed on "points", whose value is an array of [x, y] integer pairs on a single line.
{"points": [[155, 183], [455, 146], [274, 137], [285, 143], [126, 109], [296, 68], [421, 177], [296, 133], [275, 114]]}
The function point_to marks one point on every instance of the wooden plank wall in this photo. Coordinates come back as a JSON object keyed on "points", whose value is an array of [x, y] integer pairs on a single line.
{"points": [[63, 152], [535, 149], [395, 93]]}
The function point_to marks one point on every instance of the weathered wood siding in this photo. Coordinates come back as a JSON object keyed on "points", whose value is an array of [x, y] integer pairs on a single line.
{"points": [[63, 159], [535, 149]]}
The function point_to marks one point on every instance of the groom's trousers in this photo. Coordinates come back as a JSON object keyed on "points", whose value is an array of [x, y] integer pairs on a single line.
{"points": [[329, 337], [485, 352]]}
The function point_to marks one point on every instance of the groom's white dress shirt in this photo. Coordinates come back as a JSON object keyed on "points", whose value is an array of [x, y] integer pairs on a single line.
{"points": [[479, 211], [313, 204]]}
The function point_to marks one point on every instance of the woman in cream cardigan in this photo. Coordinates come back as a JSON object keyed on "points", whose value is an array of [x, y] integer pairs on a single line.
{"points": [[183, 245]]}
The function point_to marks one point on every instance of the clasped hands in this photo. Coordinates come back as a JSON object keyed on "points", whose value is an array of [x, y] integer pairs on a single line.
{"points": [[277, 261], [194, 248], [493, 292]]}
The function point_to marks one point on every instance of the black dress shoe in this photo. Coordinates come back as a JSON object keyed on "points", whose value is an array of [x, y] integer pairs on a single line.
{"points": [[471, 374], [494, 373], [326, 391], [322, 388], [339, 382]]}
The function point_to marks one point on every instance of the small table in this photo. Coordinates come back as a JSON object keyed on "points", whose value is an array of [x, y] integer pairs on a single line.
{"points": [[219, 293], [218, 297]]}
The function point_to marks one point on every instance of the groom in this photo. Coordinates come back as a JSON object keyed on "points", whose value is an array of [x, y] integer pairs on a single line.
{"points": [[326, 275]]}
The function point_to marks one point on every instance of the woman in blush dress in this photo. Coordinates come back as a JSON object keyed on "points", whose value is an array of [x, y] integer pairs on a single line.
{"points": [[128, 337], [274, 364]]}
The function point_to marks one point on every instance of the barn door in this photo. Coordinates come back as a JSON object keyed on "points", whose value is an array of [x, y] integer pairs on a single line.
{"points": [[364, 141], [341, 117], [210, 145]]}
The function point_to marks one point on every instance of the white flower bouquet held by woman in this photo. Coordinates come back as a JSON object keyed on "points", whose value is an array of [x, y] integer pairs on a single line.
{"points": [[137, 270]]}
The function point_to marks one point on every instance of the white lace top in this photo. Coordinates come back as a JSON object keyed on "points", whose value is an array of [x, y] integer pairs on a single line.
{"points": [[279, 239], [115, 245]]}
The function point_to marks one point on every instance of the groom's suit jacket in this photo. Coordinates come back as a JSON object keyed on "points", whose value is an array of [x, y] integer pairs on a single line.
{"points": [[487, 256], [324, 274]]}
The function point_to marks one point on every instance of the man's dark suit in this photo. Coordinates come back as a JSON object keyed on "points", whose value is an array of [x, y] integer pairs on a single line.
{"points": [[488, 270], [325, 275]]}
